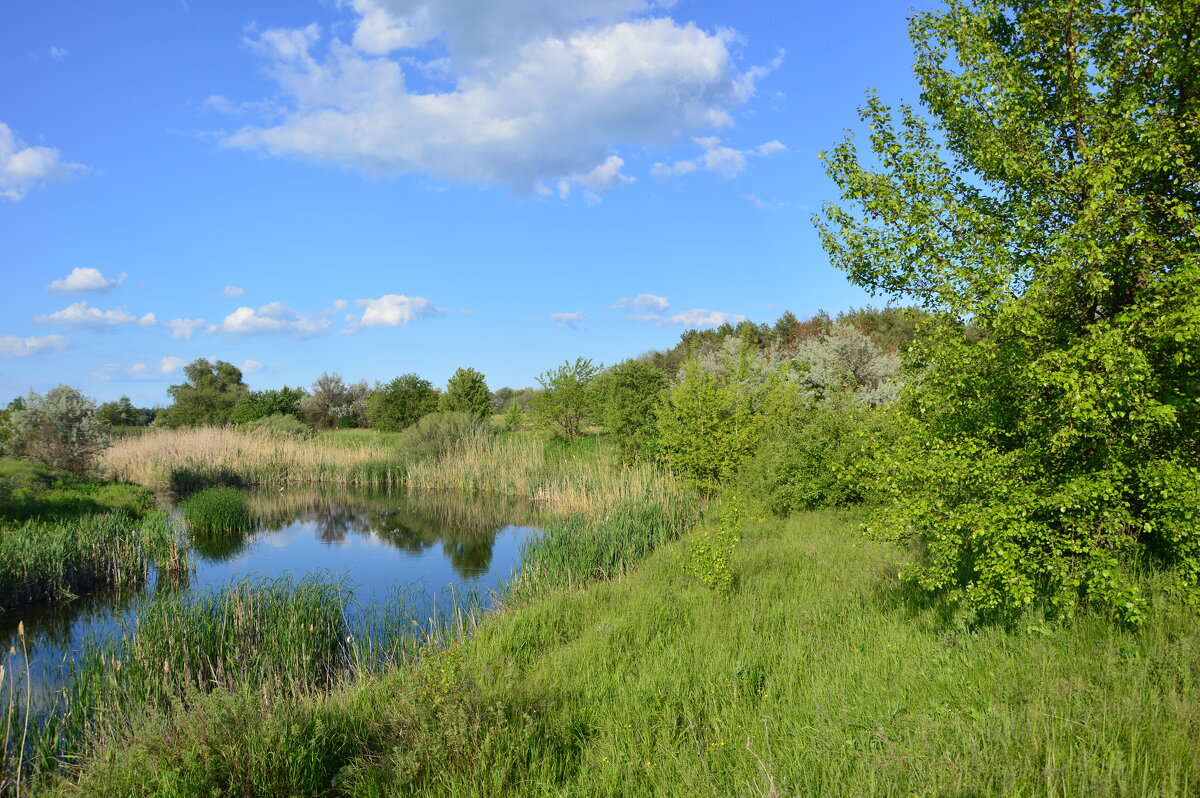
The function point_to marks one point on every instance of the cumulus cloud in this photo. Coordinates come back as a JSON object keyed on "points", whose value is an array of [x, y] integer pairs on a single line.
{"points": [[185, 328], [274, 319], [233, 291], [603, 179], [566, 319], [514, 92], [14, 346], [250, 366], [696, 318], [391, 310], [80, 315], [724, 162], [647, 302], [86, 281], [169, 364], [23, 167]]}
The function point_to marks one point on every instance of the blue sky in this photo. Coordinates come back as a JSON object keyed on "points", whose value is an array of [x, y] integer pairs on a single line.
{"points": [[376, 187]]}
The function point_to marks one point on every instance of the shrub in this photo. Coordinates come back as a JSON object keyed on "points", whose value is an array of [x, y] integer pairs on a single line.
{"points": [[281, 424], [467, 392], [438, 433], [59, 430], [217, 510], [401, 403], [824, 458]]}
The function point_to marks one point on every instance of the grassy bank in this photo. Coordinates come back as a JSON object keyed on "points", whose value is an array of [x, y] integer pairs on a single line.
{"points": [[812, 676]]}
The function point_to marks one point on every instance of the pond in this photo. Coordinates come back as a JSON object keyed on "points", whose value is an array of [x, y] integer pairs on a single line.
{"points": [[427, 548]]}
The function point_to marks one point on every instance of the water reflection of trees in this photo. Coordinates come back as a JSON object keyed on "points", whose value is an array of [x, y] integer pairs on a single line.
{"points": [[50, 626], [465, 525]]}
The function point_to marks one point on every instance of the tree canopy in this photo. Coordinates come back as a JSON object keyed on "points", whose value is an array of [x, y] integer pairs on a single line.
{"points": [[467, 392], [207, 396], [1047, 194]]}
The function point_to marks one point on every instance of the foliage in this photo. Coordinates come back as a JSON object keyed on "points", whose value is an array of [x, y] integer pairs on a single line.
{"points": [[261, 404], [827, 456], [713, 417], [120, 413], [626, 396], [217, 510], [59, 430], [845, 361], [401, 403], [437, 434], [514, 417], [332, 403], [564, 404], [30, 490], [467, 392], [207, 397], [1050, 199], [710, 551]]}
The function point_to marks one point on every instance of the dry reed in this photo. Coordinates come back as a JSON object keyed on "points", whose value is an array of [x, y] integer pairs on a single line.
{"points": [[232, 455]]}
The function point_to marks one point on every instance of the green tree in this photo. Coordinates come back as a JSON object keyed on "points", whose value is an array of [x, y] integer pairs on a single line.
{"points": [[1049, 196], [626, 396], [206, 397], [564, 404], [467, 392], [254, 405], [401, 403], [711, 420], [120, 413], [60, 430]]}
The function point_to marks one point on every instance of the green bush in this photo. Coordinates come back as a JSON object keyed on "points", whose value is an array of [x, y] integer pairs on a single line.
{"points": [[281, 424], [217, 510], [437, 433], [826, 457]]}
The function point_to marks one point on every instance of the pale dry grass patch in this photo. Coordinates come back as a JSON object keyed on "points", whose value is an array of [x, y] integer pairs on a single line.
{"points": [[154, 459]]}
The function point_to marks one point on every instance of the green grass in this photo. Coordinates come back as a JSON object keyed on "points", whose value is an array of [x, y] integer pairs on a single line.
{"points": [[217, 511], [32, 491], [45, 560], [814, 675]]}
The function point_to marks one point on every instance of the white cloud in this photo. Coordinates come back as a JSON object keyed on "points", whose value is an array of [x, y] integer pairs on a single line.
{"points": [[340, 304], [391, 310], [274, 318], [647, 302], [58, 53], [80, 315], [169, 365], [13, 346], [566, 319], [23, 167], [250, 366], [604, 178], [522, 91], [725, 162], [232, 291], [695, 318], [86, 281], [185, 328]]}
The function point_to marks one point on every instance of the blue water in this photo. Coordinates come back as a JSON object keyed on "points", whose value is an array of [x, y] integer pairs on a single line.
{"points": [[422, 546]]}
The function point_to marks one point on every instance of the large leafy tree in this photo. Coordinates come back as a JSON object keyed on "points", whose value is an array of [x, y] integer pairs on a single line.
{"points": [[401, 403], [1047, 194], [467, 392], [60, 429], [564, 404], [625, 398], [207, 396]]}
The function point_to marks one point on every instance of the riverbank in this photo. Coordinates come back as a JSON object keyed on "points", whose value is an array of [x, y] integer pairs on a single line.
{"points": [[812, 675]]}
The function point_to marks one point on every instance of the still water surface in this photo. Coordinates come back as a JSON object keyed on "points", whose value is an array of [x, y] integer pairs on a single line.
{"points": [[421, 545]]}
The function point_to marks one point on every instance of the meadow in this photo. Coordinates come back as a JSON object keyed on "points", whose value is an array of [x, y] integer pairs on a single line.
{"points": [[813, 674]]}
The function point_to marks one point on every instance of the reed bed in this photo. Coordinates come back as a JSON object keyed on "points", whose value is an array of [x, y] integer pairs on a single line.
{"points": [[217, 510], [44, 560], [518, 465], [189, 459]]}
